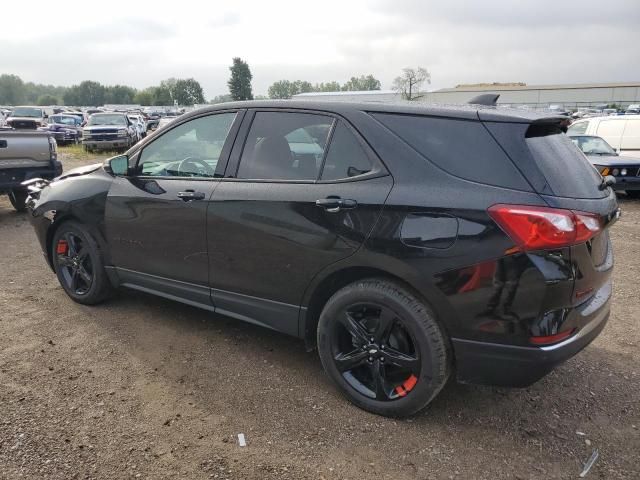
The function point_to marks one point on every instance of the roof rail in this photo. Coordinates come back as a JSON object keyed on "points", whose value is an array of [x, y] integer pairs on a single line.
{"points": [[489, 99]]}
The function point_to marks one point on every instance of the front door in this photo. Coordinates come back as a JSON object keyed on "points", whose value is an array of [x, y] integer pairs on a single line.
{"points": [[306, 194], [156, 217]]}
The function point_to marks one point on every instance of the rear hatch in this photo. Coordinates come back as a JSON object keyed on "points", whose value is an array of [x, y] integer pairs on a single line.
{"points": [[560, 173]]}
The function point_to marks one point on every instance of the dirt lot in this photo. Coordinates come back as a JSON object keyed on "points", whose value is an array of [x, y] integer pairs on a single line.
{"points": [[141, 387]]}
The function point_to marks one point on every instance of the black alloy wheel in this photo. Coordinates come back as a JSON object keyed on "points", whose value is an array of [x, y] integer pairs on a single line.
{"points": [[74, 262], [374, 353], [78, 263], [383, 347]]}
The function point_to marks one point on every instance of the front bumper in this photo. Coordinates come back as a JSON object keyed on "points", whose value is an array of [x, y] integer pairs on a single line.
{"points": [[516, 366], [626, 183], [122, 142], [65, 137]]}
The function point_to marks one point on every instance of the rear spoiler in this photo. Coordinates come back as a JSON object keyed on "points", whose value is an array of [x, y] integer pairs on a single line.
{"points": [[488, 99]]}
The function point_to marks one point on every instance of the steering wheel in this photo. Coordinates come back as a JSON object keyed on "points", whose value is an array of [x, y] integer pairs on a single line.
{"points": [[196, 164]]}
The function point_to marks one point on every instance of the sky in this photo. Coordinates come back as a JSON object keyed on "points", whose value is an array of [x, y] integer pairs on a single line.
{"points": [[140, 43]]}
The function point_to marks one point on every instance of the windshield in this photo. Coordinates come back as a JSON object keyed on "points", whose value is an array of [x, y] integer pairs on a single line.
{"points": [[27, 112], [593, 146], [63, 120], [107, 120]]}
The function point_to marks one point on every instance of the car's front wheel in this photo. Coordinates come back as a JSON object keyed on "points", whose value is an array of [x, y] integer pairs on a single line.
{"points": [[79, 264], [383, 347]]}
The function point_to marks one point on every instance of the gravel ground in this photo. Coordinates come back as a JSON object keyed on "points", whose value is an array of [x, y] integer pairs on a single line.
{"points": [[141, 387]]}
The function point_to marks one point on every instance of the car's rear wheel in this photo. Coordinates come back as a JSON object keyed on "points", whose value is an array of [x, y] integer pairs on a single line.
{"points": [[383, 347], [18, 199], [79, 264]]}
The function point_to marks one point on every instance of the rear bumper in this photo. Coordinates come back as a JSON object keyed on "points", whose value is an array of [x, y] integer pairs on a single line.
{"points": [[10, 179], [516, 366]]}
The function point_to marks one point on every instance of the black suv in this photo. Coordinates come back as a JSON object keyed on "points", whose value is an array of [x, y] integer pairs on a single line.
{"points": [[406, 242]]}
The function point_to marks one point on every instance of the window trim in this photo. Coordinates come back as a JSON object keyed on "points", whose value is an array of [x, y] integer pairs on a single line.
{"points": [[235, 157], [224, 153]]}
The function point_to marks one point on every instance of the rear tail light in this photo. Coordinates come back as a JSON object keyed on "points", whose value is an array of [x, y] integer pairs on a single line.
{"points": [[549, 339], [541, 228]]}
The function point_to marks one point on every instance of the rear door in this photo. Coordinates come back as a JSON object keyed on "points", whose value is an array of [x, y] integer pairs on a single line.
{"points": [[301, 191]]}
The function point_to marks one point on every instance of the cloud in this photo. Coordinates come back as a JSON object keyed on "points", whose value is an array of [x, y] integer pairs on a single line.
{"points": [[459, 42]]}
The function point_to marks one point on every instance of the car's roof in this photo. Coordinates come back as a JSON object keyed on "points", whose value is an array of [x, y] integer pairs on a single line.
{"points": [[471, 112]]}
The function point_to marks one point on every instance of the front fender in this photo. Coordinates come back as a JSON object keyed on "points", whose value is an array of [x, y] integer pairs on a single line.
{"points": [[79, 198]]}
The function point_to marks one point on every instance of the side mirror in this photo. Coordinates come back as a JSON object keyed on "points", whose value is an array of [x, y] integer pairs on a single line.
{"points": [[118, 166]]}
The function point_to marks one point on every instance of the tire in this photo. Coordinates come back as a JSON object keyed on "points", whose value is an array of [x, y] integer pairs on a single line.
{"points": [[18, 199], [633, 193], [77, 257], [413, 339]]}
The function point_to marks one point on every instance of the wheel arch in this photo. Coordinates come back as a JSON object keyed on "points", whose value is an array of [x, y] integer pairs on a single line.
{"points": [[319, 294]]}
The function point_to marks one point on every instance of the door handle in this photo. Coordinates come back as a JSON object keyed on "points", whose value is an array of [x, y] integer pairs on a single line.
{"points": [[335, 204], [190, 195]]}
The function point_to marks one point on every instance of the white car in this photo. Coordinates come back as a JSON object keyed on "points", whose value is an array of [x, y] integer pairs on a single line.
{"points": [[622, 132], [140, 124]]}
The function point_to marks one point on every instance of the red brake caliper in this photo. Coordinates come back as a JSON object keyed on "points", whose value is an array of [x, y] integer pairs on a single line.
{"points": [[62, 248], [407, 385]]}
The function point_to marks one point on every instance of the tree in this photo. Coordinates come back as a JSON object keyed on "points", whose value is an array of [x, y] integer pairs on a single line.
{"points": [[187, 92], [47, 100], [88, 93], [221, 99], [327, 87], [408, 84], [12, 90], [362, 83], [240, 81], [119, 95], [162, 96], [144, 97]]}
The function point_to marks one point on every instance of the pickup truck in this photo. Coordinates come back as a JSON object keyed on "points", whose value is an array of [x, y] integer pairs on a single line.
{"points": [[24, 155], [27, 118]]}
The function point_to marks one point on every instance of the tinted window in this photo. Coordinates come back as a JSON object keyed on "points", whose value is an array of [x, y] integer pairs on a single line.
{"points": [[578, 128], [565, 167], [188, 150], [346, 157], [461, 147], [284, 146]]}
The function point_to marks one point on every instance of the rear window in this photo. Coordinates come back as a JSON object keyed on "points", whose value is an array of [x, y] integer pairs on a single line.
{"points": [[463, 148], [566, 169]]}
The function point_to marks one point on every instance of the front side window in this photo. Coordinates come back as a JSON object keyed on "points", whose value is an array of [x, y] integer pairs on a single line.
{"points": [[346, 158], [191, 149], [285, 146]]}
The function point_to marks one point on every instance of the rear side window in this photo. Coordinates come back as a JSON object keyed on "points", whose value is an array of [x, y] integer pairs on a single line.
{"points": [[578, 128], [285, 146], [566, 169], [345, 158], [462, 148]]}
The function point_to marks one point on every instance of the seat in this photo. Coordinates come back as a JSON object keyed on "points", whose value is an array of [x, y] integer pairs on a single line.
{"points": [[272, 158]]}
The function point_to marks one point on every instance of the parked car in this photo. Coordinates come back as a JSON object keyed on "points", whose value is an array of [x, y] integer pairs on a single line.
{"points": [[406, 242], [65, 128], [633, 109], [79, 115], [626, 170], [29, 118], [139, 124], [108, 131], [25, 155], [621, 132]]}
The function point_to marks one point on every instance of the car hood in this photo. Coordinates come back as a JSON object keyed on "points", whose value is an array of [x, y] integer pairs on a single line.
{"points": [[610, 160], [30, 119], [76, 172]]}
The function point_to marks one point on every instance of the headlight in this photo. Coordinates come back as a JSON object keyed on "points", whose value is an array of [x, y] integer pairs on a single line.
{"points": [[122, 133], [615, 172], [623, 171]]}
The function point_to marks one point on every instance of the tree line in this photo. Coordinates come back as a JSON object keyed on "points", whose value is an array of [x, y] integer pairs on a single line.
{"points": [[187, 91], [180, 91]]}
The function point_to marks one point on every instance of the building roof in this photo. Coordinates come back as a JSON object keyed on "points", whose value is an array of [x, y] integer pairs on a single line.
{"points": [[488, 87]]}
